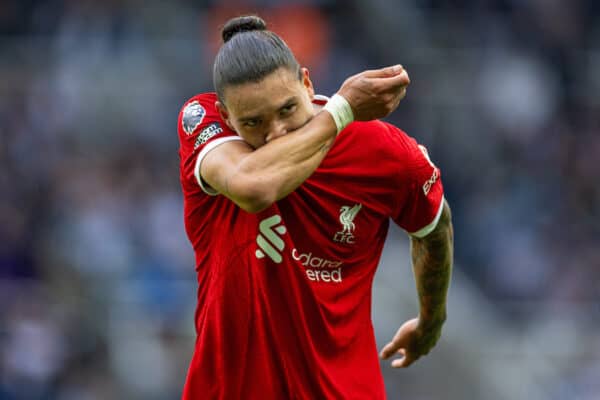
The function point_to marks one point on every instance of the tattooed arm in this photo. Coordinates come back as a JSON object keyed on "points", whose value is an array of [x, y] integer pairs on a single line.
{"points": [[432, 266]]}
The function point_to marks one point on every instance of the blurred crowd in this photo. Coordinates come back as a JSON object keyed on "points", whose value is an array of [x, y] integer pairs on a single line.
{"points": [[97, 284]]}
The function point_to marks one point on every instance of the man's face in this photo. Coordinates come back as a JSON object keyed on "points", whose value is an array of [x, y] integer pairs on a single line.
{"points": [[262, 111]]}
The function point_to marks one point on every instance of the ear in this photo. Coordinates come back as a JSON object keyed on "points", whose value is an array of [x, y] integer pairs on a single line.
{"points": [[224, 114], [307, 83]]}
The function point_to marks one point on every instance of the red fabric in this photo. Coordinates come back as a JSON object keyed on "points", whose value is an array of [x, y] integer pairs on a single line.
{"points": [[300, 328]]}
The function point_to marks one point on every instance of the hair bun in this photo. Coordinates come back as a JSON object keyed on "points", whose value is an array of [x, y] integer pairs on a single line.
{"points": [[244, 23]]}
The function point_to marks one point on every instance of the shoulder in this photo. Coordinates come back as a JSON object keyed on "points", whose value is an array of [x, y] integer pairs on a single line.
{"points": [[200, 130], [377, 128], [386, 147], [380, 136], [199, 122], [196, 110]]}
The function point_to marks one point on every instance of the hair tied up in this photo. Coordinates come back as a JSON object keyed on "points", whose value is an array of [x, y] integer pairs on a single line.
{"points": [[244, 23]]}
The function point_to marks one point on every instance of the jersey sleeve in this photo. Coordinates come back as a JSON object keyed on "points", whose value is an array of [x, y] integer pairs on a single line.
{"points": [[419, 199], [200, 130]]}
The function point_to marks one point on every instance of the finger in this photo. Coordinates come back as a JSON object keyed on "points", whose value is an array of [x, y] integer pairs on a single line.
{"points": [[404, 362], [399, 80], [401, 95], [386, 72], [398, 98], [390, 349]]}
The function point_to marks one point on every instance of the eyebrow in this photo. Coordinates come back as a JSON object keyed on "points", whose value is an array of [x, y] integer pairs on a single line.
{"points": [[286, 103]]}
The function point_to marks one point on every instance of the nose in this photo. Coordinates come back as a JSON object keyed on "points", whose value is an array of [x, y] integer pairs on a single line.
{"points": [[276, 130]]}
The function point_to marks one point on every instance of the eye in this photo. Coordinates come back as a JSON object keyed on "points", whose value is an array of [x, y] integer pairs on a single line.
{"points": [[287, 109], [251, 123]]}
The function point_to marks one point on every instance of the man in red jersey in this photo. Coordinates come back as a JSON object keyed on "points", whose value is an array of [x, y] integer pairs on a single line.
{"points": [[287, 205]]}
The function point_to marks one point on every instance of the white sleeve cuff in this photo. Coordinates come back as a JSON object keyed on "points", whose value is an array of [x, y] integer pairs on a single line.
{"points": [[429, 228], [210, 146]]}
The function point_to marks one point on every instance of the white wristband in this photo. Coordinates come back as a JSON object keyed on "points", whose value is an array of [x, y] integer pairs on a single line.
{"points": [[340, 110]]}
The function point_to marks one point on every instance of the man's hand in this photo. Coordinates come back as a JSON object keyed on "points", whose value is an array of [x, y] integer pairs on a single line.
{"points": [[375, 93], [412, 341]]}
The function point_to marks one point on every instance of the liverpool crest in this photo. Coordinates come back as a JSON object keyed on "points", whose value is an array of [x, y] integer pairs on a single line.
{"points": [[347, 215]]}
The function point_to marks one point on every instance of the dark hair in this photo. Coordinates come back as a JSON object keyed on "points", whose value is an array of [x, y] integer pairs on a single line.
{"points": [[249, 53]]}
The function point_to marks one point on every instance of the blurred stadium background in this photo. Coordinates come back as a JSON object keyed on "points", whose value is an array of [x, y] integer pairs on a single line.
{"points": [[97, 288]]}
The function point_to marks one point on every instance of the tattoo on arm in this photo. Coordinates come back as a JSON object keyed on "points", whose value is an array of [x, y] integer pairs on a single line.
{"points": [[432, 266]]}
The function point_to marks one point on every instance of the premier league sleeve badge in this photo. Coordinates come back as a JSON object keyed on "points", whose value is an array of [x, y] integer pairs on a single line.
{"points": [[193, 114]]}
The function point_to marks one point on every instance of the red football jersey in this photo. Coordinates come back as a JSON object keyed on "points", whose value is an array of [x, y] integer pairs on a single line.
{"points": [[284, 296]]}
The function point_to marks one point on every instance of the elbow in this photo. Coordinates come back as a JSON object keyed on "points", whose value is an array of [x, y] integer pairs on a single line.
{"points": [[254, 205], [252, 197]]}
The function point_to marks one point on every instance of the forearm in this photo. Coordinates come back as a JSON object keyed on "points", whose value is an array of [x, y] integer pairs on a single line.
{"points": [[432, 266], [254, 178], [281, 165]]}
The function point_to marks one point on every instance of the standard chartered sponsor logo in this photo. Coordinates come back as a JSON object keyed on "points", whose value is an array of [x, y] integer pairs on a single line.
{"points": [[268, 240], [308, 260], [319, 269]]}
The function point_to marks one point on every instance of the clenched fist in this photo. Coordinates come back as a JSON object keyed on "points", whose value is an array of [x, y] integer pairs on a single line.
{"points": [[375, 93]]}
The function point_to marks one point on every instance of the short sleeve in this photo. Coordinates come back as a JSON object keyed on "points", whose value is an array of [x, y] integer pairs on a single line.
{"points": [[419, 199], [200, 129]]}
